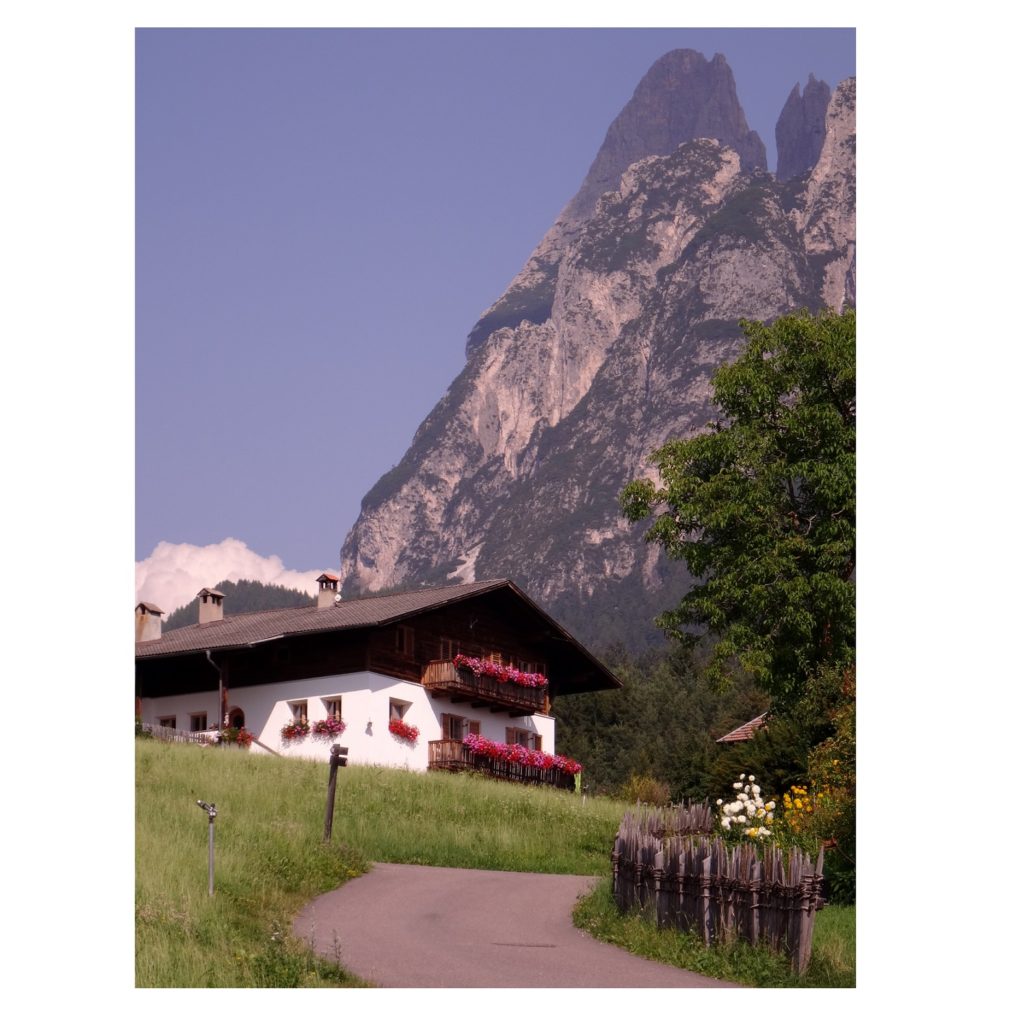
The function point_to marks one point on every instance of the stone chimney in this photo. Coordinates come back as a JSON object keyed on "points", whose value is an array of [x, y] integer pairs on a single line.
{"points": [[147, 619], [211, 605], [329, 590]]}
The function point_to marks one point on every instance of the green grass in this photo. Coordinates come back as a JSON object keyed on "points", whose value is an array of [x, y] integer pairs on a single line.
{"points": [[832, 962], [270, 859]]}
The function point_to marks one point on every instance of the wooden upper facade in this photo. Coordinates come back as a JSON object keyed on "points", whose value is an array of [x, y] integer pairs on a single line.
{"points": [[411, 637]]}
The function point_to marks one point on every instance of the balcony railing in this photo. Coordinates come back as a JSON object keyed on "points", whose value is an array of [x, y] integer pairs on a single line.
{"points": [[455, 756], [460, 684]]}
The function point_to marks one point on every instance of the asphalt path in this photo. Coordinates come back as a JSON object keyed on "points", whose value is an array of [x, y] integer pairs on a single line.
{"points": [[409, 926]]}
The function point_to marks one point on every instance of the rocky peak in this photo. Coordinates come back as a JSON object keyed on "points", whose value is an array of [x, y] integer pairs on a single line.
{"points": [[682, 97], [604, 349], [799, 132]]}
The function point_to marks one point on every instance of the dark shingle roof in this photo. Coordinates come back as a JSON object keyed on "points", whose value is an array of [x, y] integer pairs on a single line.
{"points": [[254, 627], [744, 732]]}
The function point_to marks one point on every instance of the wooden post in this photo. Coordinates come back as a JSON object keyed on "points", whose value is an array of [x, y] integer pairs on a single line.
{"points": [[338, 759]]}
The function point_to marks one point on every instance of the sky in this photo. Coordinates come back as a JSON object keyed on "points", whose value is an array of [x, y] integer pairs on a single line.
{"points": [[321, 217]]}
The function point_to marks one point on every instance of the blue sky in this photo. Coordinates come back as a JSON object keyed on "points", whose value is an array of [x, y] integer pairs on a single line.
{"points": [[322, 215]]}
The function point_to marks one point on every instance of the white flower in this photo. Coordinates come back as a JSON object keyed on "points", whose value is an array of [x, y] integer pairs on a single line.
{"points": [[755, 789], [741, 818], [770, 806], [738, 785], [750, 778], [725, 822], [760, 812], [743, 776], [718, 802], [769, 817]]}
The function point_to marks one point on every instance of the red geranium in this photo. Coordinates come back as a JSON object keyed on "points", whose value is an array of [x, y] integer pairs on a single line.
{"points": [[400, 728], [516, 753], [503, 673]]}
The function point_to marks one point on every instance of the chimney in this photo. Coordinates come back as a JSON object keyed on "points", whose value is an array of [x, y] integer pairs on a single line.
{"points": [[211, 605], [329, 590], [147, 619]]}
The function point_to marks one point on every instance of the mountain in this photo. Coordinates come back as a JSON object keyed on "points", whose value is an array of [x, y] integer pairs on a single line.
{"points": [[799, 131], [602, 347]]}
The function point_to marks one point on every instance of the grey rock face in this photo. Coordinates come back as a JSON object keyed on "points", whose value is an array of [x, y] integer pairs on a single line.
{"points": [[517, 470], [682, 97], [799, 132]]}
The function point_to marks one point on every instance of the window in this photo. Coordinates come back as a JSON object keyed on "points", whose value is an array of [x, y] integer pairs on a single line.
{"points": [[332, 705], [167, 721], [398, 708], [447, 648], [495, 657], [524, 737], [405, 641], [299, 710], [454, 727], [198, 721]]}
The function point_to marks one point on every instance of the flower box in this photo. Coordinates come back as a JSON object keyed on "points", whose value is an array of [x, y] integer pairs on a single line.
{"points": [[330, 727], [398, 727], [295, 731]]}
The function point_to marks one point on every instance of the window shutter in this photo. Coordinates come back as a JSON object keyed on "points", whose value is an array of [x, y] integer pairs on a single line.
{"points": [[510, 734], [446, 730], [474, 726], [539, 740]]}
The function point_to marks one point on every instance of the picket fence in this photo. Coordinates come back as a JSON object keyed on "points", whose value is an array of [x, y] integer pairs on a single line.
{"points": [[665, 864]]}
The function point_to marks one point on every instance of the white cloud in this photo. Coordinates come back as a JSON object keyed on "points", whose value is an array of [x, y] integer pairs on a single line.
{"points": [[173, 574]]}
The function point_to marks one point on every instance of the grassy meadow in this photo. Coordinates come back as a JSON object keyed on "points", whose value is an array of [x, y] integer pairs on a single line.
{"points": [[270, 859]]}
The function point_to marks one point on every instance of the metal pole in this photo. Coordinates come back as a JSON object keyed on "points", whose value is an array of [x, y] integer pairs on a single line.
{"points": [[211, 810]]}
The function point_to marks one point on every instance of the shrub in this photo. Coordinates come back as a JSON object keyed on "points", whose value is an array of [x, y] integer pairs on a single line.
{"points": [[645, 789]]}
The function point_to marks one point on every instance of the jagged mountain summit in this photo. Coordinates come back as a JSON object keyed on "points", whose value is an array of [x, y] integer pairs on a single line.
{"points": [[799, 131], [602, 348]]}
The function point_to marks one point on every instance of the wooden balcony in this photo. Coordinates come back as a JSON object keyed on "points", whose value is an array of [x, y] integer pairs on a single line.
{"points": [[461, 686], [454, 756]]}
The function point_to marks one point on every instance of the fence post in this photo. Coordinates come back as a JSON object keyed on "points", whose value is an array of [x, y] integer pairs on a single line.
{"points": [[338, 759], [658, 870]]}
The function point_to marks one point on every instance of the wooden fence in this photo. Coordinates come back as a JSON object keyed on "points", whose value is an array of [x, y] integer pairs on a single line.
{"points": [[163, 732], [698, 883]]}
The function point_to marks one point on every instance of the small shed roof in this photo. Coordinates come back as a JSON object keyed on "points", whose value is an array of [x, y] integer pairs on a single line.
{"points": [[744, 732]]}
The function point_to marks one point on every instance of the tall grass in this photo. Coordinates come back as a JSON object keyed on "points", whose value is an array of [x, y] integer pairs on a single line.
{"points": [[270, 858], [270, 861]]}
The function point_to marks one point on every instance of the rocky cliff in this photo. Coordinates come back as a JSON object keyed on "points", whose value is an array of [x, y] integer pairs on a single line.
{"points": [[799, 132], [602, 348]]}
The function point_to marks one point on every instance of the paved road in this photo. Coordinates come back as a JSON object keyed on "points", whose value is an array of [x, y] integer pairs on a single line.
{"points": [[408, 926]]}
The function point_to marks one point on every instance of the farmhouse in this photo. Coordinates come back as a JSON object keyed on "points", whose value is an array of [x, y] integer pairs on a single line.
{"points": [[407, 676]]}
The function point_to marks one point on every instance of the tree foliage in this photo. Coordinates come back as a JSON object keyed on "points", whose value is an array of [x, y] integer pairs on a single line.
{"points": [[661, 726], [244, 596], [761, 507]]}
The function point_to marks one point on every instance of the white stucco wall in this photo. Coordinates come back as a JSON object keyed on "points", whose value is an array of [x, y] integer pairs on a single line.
{"points": [[364, 699]]}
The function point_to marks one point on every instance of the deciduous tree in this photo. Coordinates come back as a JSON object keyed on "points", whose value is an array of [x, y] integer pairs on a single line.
{"points": [[761, 507]]}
